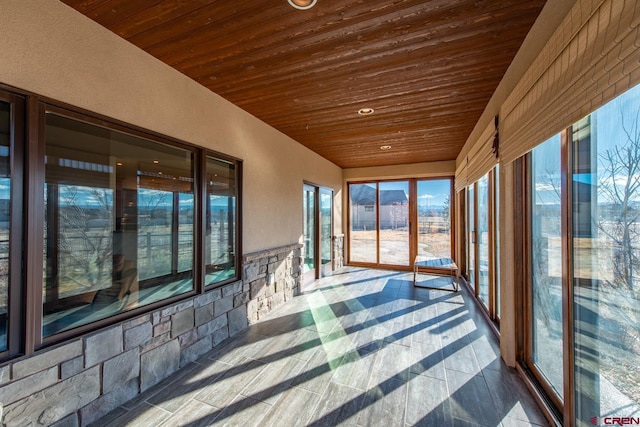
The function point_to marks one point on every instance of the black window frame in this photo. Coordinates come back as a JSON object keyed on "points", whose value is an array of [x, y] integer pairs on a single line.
{"points": [[15, 326], [237, 226]]}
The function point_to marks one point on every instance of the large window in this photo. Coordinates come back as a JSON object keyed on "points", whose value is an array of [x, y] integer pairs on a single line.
{"points": [[546, 269], [10, 231], [5, 203], [310, 235], [483, 240], [392, 223], [363, 232], [317, 232], [221, 222], [481, 247], [115, 207], [605, 211], [434, 219], [100, 222], [326, 228], [584, 304], [471, 235]]}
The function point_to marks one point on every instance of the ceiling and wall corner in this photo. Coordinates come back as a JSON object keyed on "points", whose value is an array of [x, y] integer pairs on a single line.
{"points": [[413, 58], [51, 50], [550, 17]]}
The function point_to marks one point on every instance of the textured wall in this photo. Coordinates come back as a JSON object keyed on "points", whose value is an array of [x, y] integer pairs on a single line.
{"points": [[51, 50]]}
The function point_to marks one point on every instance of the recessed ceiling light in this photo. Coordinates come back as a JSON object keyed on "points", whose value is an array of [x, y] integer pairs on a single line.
{"points": [[385, 147], [302, 4], [365, 111], [119, 163], [156, 162]]}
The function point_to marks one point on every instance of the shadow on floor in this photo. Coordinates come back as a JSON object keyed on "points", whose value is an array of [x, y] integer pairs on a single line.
{"points": [[363, 347]]}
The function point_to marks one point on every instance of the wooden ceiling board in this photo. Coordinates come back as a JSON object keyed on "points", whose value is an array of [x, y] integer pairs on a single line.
{"points": [[428, 68]]}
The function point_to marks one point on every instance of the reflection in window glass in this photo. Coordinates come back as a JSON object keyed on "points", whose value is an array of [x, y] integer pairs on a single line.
{"points": [[482, 237], [606, 259], [546, 256], [309, 224], [185, 231], [363, 238], [326, 201], [5, 198], [394, 222], [111, 216], [84, 220], [221, 222], [434, 224], [497, 242], [155, 213], [471, 236]]}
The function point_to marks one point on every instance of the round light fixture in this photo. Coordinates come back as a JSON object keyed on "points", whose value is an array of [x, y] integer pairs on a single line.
{"points": [[366, 111], [385, 147], [302, 4]]}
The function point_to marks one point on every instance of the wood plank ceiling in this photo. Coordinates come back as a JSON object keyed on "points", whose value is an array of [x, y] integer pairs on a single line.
{"points": [[427, 68]]}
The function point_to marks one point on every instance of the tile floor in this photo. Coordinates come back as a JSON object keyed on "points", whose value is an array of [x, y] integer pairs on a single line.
{"points": [[363, 348]]}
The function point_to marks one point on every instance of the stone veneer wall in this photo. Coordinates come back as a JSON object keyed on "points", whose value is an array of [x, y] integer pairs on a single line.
{"points": [[78, 382], [273, 277]]}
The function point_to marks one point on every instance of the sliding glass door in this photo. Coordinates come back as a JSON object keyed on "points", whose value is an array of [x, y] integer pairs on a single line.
{"points": [[582, 342], [482, 242], [545, 351], [310, 225], [392, 222], [363, 232], [434, 220], [317, 211], [605, 259], [471, 235], [483, 238], [326, 231]]}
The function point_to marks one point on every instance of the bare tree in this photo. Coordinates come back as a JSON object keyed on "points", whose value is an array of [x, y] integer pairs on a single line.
{"points": [[619, 184], [547, 230], [85, 239]]}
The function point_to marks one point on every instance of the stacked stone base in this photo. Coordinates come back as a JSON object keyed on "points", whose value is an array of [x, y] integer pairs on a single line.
{"points": [[80, 381], [273, 277]]}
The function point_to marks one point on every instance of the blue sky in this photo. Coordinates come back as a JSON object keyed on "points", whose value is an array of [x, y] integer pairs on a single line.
{"points": [[607, 127], [431, 193]]}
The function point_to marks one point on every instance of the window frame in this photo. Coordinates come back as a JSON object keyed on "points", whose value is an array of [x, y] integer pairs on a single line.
{"points": [[46, 107], [559, 408], [553, 402], [413, 221], [15, 291], [321, 269], [27, 207], [471, 239], [414, 215], [199, 239]]}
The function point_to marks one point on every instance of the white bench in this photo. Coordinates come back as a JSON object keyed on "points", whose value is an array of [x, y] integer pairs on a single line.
{"points": [[433, 263]]}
